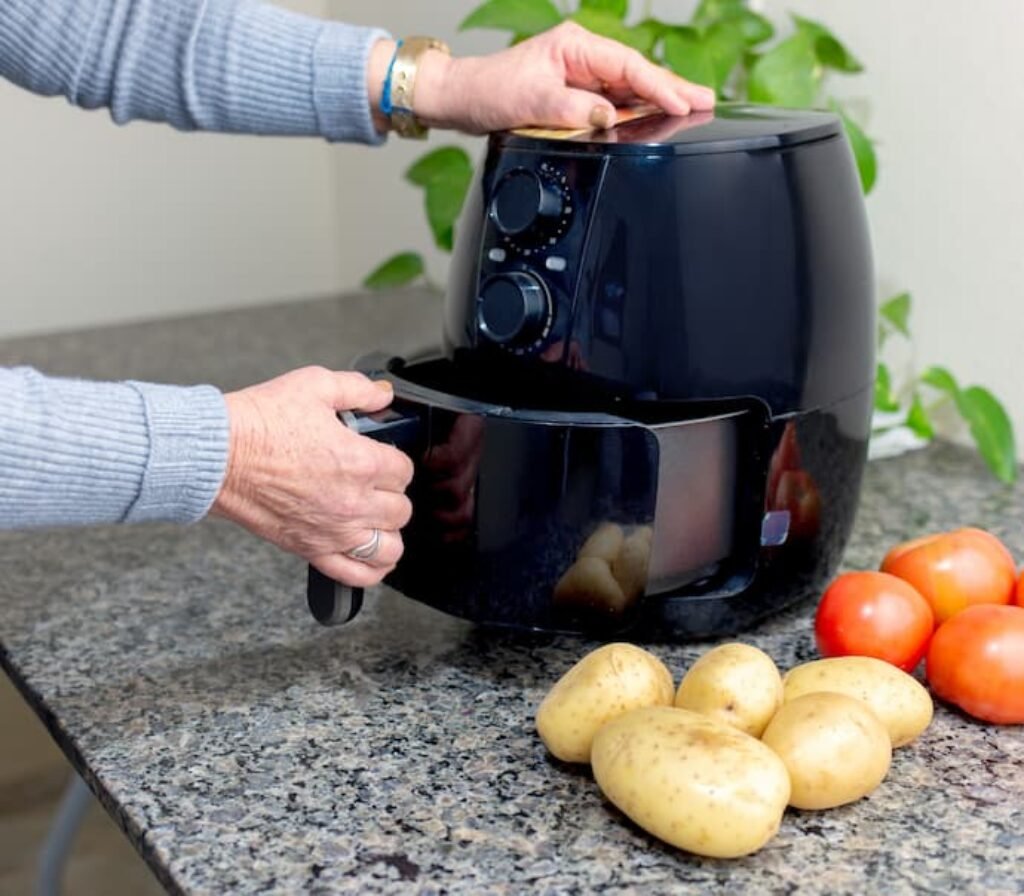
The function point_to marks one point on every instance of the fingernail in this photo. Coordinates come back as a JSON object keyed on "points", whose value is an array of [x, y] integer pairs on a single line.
{"points": [[384, 385], [602, 117], [707, 95]]}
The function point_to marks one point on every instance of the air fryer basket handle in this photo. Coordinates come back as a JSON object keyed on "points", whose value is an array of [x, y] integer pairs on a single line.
{"points": [[401, 425]]}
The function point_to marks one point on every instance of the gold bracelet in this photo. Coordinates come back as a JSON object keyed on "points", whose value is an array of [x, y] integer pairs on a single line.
{"points": [[403, 84]]}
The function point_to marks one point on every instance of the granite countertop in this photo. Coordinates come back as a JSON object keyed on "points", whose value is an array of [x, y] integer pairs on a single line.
{"points": [[242, 748]]}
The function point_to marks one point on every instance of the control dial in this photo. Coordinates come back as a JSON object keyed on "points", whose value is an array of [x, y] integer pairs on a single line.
{"points": [[513, 308], [524, 201]]}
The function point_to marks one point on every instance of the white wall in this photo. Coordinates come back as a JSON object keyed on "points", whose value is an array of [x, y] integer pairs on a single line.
{"points": [[101, 223], [943, 92]]}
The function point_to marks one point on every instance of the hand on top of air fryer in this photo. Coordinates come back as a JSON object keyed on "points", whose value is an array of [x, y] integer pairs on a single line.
{"points": [[565, 77], [302, 480]]}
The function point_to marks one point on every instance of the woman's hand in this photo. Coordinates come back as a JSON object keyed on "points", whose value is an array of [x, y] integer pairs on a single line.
{"points": [[566, 77], [301, 479]]}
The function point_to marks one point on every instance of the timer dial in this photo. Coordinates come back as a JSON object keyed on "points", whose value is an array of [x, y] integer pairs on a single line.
{"points": [[529, 208]]}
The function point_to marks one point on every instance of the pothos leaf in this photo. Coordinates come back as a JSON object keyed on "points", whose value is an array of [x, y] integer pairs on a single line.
{"points": [[827, 47], [787, 75], [615, 8], [991, 430], [897, 312], [444, 198], [863, 149], [918, 421], [518, 16], [941, 379], [704, 57], [884, 398], [441, 162], [396, 271], [444, 174]]}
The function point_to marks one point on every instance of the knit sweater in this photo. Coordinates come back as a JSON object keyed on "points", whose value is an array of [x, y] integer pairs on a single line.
{"points": [[73, 451]]}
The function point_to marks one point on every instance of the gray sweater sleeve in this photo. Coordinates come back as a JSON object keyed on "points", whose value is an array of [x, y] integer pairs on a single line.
{"points": [[73, 451], [215, 65]]}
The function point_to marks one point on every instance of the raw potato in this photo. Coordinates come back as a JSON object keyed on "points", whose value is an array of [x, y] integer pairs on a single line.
{"points": [[610, 573], [736, 684], [609, 681], [834, 747], [899, 700], [692, 781], [604, 542], [589, 585], [630, 565]]}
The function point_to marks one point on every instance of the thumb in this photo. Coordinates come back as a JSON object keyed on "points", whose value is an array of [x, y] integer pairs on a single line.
{"points": [[575, 108], [356, 392]]}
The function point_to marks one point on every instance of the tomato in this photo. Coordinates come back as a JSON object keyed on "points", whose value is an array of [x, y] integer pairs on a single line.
{"points": [[785, 457], [798, 494], [1020, 590], [976, 661], [954, 570], [874, 614], [793, 489]]}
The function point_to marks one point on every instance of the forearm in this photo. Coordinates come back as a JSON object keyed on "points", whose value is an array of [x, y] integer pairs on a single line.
{"points": [[73, 451], [217, 65]]}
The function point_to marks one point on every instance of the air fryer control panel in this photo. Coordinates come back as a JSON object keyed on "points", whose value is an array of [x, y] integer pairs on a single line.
{"points": [[538, 208]]}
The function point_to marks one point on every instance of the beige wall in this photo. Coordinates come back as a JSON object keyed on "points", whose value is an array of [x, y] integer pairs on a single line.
{"points": [[943, 92], [102, 223]]}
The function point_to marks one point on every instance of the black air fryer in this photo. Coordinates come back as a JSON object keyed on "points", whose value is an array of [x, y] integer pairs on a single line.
{"points": [[651, 411]]}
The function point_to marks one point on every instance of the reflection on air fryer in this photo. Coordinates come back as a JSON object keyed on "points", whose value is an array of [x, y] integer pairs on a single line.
{"points": [[449, 473], [609, 574], [653, 129], [792, 489]]}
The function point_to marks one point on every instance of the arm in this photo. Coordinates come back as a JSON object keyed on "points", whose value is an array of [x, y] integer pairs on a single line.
{"points": [[216, 65], [272, 458], [73, 451]]}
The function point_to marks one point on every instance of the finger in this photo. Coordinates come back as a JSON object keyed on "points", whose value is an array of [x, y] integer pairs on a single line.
{"points": [[351, 391], [393, 468], [571, 107], [388, 551], [386, 510], [625, 69], [452, 490], [700, 98], [348, 571]]}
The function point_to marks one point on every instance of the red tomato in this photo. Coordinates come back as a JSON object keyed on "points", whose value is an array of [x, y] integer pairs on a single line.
{"points": [[874, 614], [798, 494], [1020, 590], [976, 660], [954, 570]]}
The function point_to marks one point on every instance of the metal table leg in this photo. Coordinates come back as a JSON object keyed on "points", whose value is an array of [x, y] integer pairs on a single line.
{"points": [[61, 836]]}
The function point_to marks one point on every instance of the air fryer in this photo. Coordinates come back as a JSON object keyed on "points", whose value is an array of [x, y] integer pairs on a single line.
{"points": [[650, 411]]}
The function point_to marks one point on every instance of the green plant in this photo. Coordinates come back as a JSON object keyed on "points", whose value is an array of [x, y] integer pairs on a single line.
{"points": [[736, 51]]}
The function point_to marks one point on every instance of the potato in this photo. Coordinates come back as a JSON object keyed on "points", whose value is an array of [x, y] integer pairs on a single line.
{"points": [[589, 585], [834, 747], [899, 700], [734, 683], [607, 682], [630, 565], [694, 782], [604, 542]]}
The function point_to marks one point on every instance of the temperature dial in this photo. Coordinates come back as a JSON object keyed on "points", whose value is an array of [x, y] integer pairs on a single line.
{"points": [[528, 204], [514, 308]]}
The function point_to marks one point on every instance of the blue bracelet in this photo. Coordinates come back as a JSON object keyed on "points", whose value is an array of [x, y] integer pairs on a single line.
{"points": [[385, 91]]}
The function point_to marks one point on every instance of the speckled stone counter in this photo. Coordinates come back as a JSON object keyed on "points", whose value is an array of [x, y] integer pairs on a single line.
{"points": [[244, 749]]}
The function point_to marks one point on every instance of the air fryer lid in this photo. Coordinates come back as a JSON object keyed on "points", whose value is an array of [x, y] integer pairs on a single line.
{"points": [[732, 127]]}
